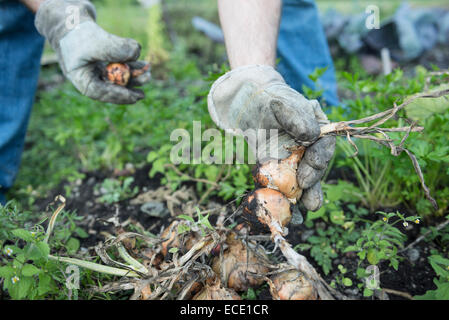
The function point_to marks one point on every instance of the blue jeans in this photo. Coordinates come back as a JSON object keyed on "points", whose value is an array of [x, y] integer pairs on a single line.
{"points": [[20, 52], [302, 47]]}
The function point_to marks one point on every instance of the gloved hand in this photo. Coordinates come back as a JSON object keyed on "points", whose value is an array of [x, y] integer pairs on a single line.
{"points": [[83, 49], [257, 97]]}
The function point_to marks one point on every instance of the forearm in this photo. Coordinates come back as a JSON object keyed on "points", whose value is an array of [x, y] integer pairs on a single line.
{"points": [[251, 29], [33, 5]]}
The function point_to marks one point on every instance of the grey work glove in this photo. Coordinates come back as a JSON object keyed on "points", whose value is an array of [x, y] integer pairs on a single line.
{"points": [[83, 49], [257, 97]]}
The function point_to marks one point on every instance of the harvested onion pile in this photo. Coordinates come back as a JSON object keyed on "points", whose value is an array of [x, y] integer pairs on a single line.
{"points": [[270, 206]]}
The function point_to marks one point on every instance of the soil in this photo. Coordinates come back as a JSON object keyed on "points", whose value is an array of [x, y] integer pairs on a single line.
{"points": [[83, 202], [414, 278]]}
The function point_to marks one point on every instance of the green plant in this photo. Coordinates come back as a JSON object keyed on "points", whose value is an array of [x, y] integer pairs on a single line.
{"points": [[202, 223], [371, 168], [440, 265], [438, 234], [381, 240], [386, 181], [114, 190], [226, 181], [26, 271], [317, 91], [328, 243], [335, 196], [341, 279]]}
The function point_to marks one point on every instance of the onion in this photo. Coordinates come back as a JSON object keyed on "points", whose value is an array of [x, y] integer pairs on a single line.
{"points": [[238, 264], [291, 285], [281, 175], [214, 291], [265, 206], [120, 73]]}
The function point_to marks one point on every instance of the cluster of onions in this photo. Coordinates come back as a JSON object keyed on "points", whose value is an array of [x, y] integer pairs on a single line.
{"points": [[277, 190], [241, 268]]}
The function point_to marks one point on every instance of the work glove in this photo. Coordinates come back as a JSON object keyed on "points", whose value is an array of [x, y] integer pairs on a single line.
{"points": [[257, 97], [84, 49]]}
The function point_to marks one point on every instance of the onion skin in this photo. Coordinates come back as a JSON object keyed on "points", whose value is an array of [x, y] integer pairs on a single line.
{"points": [[291, 285], [264, 206], [281, 175], [194, 288], [216, 292], [151, 258], [238, 264], [146, 293], [174, 239]]}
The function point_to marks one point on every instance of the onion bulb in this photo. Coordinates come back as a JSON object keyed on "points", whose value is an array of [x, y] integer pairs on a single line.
{"points": [[291, 285], [281, 175], [214, 291], [267, 208], [120, 73], [239, 266], [146, 292]]}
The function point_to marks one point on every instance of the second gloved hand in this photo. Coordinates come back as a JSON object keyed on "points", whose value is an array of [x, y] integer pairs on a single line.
{"points": [[256, 97], [83, 48]]}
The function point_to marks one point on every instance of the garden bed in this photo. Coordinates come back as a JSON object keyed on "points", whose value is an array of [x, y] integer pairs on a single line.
{"points": [[412, 277]]}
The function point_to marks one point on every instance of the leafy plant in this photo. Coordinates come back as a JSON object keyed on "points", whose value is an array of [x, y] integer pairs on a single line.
{"points": [[114, 190], [341, 279], [381, 240], [386, 182], [202, 223], [327, 244], [26, 271], [232, 180], [335, 196], [440, 265]]}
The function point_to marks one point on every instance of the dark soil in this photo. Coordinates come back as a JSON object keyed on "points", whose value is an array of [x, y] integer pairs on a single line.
{"points": [[413, 278], [83, 203]]}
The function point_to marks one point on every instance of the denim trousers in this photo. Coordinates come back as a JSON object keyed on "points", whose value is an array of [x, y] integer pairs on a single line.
{"points": [[302, 47], [20, 53]]}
